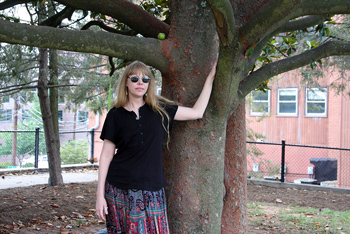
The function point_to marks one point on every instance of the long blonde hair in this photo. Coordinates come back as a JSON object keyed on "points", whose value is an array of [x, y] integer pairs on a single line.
{"points": [[156, 102]]}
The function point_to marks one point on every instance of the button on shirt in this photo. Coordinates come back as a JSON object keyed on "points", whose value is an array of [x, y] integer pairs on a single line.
{"points": [[139, 141]]}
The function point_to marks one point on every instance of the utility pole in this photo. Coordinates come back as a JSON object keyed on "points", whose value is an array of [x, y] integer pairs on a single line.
{"points": [[15, 124]]}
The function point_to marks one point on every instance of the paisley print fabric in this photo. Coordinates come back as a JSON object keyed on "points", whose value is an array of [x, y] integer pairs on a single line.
{"points": [[132, 211]]}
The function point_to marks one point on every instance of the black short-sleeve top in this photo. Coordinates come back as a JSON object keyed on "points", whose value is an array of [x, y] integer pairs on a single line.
{"points": [[139, 141]]}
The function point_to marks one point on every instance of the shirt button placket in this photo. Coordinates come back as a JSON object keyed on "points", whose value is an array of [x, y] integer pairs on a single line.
{"points": [[141, 131]]}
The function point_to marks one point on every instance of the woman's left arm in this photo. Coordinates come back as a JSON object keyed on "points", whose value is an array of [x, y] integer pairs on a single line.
{"points": [[197, 111]]}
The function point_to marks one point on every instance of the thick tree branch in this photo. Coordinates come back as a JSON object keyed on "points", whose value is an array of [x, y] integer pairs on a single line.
{"points": [[107, 28], [277, 13], [292, 25], [225, 21], [312, 7], [270, 17], [99, 42], [57, 19], [302, 23], [126, 12], [330, 48]]}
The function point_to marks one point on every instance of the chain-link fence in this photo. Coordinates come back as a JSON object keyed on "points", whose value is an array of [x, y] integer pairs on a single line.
{"points": [[21, 149], [326, 166]]}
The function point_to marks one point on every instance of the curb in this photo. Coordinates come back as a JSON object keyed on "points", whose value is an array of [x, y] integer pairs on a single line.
{"points": [[278, 184], [45, 170]]}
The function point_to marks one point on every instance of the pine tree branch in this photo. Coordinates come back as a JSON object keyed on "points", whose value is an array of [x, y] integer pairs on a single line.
{"points": [[11, 3]]}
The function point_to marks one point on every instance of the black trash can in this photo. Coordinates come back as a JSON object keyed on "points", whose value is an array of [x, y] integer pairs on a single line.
{"points": [[325, 168]]}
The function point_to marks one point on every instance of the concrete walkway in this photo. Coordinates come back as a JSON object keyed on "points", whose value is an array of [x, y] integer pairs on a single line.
{"points": [[23, 180]]}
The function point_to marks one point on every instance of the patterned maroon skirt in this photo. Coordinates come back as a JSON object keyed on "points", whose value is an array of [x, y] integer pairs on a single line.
{"points": [[132, 211]]}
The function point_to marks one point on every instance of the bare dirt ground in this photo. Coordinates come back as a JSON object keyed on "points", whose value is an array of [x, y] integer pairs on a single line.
{"points": [[70, 208]]}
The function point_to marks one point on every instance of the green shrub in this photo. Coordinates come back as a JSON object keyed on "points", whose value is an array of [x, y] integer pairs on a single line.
{"points": [[5, 165], [74, 152], [28, 165]]}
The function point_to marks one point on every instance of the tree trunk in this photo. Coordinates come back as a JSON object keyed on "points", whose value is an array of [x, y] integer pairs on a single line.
{"points": [[49, 129], [50, 126], [234, 213], [194, 166], [194, 163], [54, 99]]}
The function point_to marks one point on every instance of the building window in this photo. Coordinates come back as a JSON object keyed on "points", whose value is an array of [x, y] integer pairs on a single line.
{"points": [[260, 103], [83, 116], [6, 99], [60, 115], [316, 102], [5, 115], [287, 102]]}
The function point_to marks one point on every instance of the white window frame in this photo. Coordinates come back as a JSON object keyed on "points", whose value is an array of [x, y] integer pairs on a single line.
{"points": [[260, 113], [83, 116], [295, 101], [324, 114]]}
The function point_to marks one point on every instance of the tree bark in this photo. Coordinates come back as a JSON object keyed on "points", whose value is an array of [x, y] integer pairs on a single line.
{"points": [[234, 213], [52, 148], [195, 161], [53, 68]]}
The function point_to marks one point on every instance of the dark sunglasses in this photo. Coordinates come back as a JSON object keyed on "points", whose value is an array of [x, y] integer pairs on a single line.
{"points": [[135, 79]]}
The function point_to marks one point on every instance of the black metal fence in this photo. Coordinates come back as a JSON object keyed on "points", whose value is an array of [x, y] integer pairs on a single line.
{"points": [[326, 166], [28, 149]]}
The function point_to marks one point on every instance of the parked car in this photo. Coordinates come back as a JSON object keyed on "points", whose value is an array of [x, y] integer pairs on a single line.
{"points": [[42, 161], [29, 160]]}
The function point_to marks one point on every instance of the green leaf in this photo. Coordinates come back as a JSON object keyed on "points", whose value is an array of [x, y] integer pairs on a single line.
{"points": [[328, 31], [308, 44]]}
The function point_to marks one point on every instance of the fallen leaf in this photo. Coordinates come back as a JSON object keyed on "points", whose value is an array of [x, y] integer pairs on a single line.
{"points": [[78, 215], [55, 205]]}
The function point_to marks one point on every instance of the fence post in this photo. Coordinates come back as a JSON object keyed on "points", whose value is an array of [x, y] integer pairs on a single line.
{"points": [[36, 147], [92, 148], [283, 159]]}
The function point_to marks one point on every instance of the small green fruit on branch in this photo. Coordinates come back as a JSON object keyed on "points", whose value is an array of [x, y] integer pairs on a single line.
{"points": [[161, 36]]}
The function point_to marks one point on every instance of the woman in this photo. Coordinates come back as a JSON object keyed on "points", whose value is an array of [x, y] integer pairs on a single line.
{"points": [[130, 193]]}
